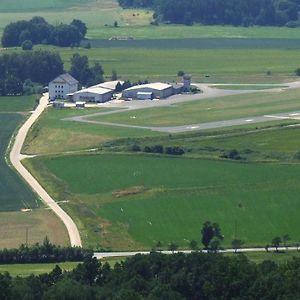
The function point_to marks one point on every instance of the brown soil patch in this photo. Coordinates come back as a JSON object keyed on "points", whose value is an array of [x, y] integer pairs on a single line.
{"points": [[127, 192]]}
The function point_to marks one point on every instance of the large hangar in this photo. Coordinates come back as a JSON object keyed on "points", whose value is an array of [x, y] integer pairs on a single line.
{"points": [[97, 95], [159, 90]]}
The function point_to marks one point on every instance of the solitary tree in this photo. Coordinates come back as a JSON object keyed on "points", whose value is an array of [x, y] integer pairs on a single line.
{"points": [[209, 231], [215, 244], [173, 247], [236, 244], [276, 242], [193, 245], [285, 239]]}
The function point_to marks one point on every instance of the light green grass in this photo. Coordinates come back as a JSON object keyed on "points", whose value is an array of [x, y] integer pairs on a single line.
{"points": [[248, 87], [196, 31], [208, 110], [17, 103], [50, 134], [24, 270], [179, 195]]}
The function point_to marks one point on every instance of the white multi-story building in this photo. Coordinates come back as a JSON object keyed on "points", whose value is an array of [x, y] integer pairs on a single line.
{"points": [[61, 86]]}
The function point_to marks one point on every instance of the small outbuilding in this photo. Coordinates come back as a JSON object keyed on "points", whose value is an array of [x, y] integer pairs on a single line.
{"points": [[80, 104]]}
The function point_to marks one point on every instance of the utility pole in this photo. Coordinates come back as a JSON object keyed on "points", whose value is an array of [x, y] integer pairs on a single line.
{"points": [[26, 243]]}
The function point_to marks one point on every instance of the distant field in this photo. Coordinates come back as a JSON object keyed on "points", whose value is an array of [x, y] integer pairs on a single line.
{"points": [[248, 87], [181, 32], [36, 269], [207, 110], [19, 5], [14, 195], [50, 134], [175, 196], [199, 43], [17, 104], [205, 65]]}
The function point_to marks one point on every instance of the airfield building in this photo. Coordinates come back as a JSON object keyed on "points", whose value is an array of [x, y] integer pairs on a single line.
{"points": [[95, 94], [61, 86], [158, 90]]}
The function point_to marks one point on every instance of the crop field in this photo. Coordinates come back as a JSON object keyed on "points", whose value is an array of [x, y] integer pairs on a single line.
{"points": [[207, 110], [199, 43], [51, 134], [167, 199], [38, 223], [17, 104], [14, 195], [205, 65]]}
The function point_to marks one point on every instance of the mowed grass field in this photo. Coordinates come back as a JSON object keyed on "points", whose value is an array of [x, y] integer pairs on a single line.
{"points": [[129, 202], [51, 134], [15, 195], [209, 110]]}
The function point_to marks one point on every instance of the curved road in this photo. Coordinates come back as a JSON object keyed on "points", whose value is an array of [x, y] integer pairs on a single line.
{"points": [[16, 157]]}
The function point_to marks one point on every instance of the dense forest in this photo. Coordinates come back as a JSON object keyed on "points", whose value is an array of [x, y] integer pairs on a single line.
{"points": [[157, 276], [38, 31], [231, 12]]}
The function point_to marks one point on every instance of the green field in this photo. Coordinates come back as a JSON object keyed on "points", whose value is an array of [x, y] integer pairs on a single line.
{"points": [[209, 110], [222, 65], [53, 135], [17, 104], [167, 199], [36, 269], [14, 195]]}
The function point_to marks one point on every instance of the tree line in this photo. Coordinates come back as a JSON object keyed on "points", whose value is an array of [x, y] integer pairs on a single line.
{"points": [[20, 70], [220, 12], [157, 276], [39, 31], [44, 253]]}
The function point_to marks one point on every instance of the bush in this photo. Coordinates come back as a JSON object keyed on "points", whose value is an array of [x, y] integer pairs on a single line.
{"points": [[136, 148], [297, 155], [180, 73], [27, 45], [174, 150], [297, 71]]}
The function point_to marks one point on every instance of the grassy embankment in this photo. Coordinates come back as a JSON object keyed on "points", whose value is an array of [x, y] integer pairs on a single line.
{"points": [[15, 195]]}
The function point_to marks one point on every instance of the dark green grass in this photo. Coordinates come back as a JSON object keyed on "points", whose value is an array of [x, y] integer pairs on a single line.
{"points": [[17, 104], [200, 43], [14, 194], [181, 194], [221, 65]]}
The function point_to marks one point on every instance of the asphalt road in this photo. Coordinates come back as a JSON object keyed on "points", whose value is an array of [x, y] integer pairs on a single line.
{"points": [[16, 157], [100, 255]]}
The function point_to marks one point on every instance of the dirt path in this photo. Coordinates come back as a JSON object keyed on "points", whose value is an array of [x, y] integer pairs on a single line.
{"points": [[16, 157]]}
